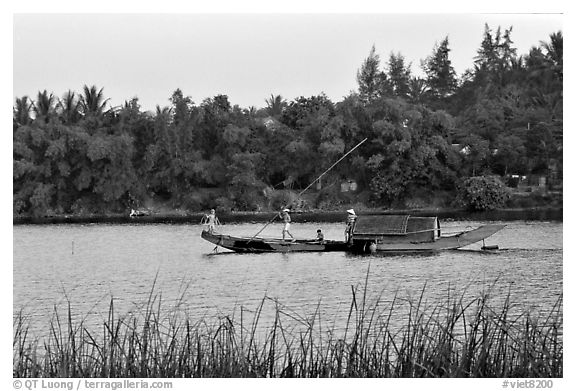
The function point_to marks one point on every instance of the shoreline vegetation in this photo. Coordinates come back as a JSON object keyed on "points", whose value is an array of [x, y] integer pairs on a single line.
{"points": [[184, 217], [490, 138], [457, 337]]}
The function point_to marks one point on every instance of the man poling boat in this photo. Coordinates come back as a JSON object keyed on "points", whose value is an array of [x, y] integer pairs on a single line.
{"points": [[285, 214]]}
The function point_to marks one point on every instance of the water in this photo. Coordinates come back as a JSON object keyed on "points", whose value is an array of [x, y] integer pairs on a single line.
{"points": [[87, 265]]}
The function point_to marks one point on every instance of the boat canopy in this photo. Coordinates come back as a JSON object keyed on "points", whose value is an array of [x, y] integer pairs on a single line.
{"points": [[396, 228]]}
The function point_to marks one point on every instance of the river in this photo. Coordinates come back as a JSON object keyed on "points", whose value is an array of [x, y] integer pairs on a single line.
{"points": [[87, 265]]}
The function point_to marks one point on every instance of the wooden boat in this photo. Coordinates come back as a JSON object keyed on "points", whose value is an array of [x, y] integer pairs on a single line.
{"points": [[370, 234], [263, 245], [405, 233]]}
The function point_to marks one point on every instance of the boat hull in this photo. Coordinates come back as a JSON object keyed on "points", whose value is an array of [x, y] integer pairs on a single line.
{"points": [[261, 245], [389, 243], [443, 243]]}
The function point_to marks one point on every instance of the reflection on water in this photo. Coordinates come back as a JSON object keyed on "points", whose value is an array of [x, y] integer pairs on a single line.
{"points": [[88, 265]]}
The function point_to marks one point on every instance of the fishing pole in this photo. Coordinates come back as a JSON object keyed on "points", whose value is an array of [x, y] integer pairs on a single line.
{"points": [[310, 185]]}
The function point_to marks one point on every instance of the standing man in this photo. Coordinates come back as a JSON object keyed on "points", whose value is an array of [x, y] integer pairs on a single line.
{"points": [[212, 220], [287, 220], [350, 222]]}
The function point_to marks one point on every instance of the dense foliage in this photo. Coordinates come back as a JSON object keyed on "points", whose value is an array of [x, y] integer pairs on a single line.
{"points": [[482, 193], [425, 136]]}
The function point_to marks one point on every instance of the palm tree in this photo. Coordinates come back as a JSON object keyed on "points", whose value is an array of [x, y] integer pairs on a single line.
{"points": [[69, 108], [44, 106], [275, 105], [555, 52], [551, 102], [92, 102], [21, 112], [545, 75], [251, 111], [163, 114]]}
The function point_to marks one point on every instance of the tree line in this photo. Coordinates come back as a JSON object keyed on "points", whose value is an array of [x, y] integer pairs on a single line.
{"points": [[74, 154]]}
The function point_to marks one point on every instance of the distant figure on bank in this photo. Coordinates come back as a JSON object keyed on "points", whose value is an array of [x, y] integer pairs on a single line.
{"points": [[287, 220], [212, 220], [350, 222], [319, 236]]}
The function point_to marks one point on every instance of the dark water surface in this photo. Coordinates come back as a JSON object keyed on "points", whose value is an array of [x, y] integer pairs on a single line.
{"points": [[87, 265]]}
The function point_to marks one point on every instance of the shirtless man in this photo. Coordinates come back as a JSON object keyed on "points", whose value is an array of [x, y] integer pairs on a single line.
{"points": [[212, 220], [286, 218]]}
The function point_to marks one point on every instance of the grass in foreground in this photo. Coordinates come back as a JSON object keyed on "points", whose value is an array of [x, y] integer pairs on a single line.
{"points": [[452, 339]]}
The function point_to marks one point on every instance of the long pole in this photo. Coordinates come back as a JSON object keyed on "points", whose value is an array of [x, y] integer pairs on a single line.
{"points": [[310, 185]]}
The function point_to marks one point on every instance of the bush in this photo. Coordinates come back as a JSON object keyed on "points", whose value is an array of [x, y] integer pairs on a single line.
{"points": [[194, 202], [482, 193], [88, 204], [223, 204], [246, 198], [282, 198], [19, 205], [332, 198]]}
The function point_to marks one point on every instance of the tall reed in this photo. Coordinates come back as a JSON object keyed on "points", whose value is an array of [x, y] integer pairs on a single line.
{"points": [[455, 338]]}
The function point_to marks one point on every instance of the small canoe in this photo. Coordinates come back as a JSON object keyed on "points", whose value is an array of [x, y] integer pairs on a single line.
{"points": [[265, 245]]}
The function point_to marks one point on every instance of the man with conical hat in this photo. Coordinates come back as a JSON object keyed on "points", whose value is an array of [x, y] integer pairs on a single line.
{"points": [[286, 218]]}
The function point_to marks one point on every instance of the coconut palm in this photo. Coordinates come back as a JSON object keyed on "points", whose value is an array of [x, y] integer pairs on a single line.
{"points": [[21, 112], [545, 75], [163, 115], [69, 108], [275, 105], [251, 111], [555, 52], [44, 106], [92, 102]]}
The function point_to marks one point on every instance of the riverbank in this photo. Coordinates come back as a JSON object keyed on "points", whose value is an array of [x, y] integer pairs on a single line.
{"points": [[536, 214]]}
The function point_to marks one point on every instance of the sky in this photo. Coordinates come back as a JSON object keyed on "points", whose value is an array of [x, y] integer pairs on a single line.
{"points": [[247, 56]]}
